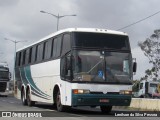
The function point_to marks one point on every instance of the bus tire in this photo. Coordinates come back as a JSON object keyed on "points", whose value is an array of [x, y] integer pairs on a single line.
{"points": [[59, 105], [106, 109], [29, 101], [24, 101]]}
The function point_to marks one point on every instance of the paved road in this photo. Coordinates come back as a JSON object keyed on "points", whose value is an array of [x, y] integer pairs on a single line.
{"points": [[12, 104]]}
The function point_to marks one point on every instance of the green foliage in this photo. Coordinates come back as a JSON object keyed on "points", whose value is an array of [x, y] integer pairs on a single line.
{"points": [[135, 86], [151, 49]]}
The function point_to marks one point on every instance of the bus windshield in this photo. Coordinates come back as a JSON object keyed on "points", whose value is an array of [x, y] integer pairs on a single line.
{"points": [[101, 66], [100, 40]]}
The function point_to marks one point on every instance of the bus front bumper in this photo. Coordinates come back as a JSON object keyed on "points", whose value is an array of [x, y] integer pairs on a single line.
{"points": [[100, 100]]}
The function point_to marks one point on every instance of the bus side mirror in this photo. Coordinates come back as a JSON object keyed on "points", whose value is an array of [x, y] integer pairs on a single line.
{"points": [[134, 67]]}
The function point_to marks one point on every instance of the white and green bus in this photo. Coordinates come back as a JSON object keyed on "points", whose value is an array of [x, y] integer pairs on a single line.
{"points": [[77, 67]]}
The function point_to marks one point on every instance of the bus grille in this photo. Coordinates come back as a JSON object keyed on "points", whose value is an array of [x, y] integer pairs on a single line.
{"points": [[3, 86]]}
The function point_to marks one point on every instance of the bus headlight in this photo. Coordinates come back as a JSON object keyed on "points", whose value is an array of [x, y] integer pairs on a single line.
{"points": [[80, 91], [125, 92]]}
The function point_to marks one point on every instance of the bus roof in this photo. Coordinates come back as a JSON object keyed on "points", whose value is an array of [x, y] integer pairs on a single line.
{"points": [[93, 30]]}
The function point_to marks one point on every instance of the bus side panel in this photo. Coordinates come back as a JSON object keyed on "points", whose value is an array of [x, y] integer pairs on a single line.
{"points": [[44, 77], [68, 92]]}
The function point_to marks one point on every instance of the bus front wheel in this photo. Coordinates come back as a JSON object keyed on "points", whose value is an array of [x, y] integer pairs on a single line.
{"points": [[106, 109], [59, 105]]}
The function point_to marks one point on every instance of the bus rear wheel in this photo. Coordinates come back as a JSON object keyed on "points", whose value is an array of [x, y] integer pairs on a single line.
{"points": [[29, 101], [23, 99], [106, 109]]}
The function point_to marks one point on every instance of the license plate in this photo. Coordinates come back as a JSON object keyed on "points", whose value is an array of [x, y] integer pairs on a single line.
{"points": [[104, 100]]}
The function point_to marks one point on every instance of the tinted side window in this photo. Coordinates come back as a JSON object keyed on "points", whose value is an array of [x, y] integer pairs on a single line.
{"points": [[27, 56], [44, 50], [40, 52], [63, 67], [17, 58], [23, 57], [59, 43], [66, 44], [33, 54], [52, 48], [30, 55], [36, 53], [48, 49], [55, 47]]}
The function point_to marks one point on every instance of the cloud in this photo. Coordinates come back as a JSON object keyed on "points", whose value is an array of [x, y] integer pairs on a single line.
{"points": [[8, 3], [22, 20]]}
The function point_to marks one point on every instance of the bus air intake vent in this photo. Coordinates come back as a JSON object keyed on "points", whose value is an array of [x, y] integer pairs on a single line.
{"points": [[113, 93], [93, 92]]}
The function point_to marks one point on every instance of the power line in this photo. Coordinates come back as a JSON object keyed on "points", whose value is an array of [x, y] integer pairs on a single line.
{"points": [[138, 21]]}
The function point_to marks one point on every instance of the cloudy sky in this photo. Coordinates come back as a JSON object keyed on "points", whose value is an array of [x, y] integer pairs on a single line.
{"points": [[22, 20]]}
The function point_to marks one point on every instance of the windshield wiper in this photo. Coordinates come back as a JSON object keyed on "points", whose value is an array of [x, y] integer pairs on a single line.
{"points": [[95, 65]]}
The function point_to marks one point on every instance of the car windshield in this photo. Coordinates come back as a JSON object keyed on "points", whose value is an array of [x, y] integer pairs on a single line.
{"points": [[101, 66]]}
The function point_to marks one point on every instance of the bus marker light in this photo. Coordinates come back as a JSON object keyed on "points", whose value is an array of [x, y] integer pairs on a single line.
{"points": [[75, 91], [80, 91]]}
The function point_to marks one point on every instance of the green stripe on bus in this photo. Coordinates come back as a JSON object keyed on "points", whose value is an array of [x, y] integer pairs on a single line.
{"points": [[29, 78]]}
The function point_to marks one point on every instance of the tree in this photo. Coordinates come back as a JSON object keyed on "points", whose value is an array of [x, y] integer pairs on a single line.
{"points": [[135, 86], [151, 49]]}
